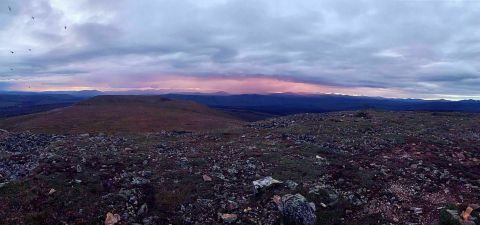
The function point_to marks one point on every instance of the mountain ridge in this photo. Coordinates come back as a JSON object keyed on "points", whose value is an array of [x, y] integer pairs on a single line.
{"points": [[248, 107]]}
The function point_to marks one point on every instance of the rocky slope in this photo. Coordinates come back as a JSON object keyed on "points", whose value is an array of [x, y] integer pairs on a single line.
{"points": [[336, 168]]}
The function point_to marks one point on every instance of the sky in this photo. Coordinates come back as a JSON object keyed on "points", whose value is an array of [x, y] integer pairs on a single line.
{"points": [[397, 48]]}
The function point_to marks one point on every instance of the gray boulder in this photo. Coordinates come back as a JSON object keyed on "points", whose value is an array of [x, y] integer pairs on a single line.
{"points": [[296, 210]]}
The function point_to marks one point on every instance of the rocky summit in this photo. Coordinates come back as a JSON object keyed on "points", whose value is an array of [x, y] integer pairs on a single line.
{"points": [[336, 168]]}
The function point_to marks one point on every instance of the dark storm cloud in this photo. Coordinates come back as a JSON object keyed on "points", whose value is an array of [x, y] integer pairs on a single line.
{"points": [[424, 48]]}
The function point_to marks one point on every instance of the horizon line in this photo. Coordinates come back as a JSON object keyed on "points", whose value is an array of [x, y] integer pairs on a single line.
{"points": [[306, 94]]}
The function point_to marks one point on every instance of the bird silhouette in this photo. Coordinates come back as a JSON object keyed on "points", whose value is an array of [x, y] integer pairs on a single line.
{"points": [[9, 8], [65, 27], [33, 18], [12, 52]]}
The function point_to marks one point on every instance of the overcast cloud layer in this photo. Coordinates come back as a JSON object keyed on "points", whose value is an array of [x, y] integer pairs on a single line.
{"points": [[422, 49]]}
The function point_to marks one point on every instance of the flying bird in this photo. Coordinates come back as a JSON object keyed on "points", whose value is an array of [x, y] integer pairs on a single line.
{"points": [[65, 27], [12, 52], [9, 8], [29, 49], [33, 18]]}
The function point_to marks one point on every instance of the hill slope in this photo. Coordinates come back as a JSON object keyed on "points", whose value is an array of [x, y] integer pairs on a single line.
{"points": [[123, 114]]}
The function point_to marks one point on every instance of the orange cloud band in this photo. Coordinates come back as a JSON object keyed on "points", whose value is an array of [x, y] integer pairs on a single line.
{"points": [[237, 85]]}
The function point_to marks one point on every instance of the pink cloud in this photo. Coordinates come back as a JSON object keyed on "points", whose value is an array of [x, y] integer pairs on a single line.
{"points": [[237, 85]]}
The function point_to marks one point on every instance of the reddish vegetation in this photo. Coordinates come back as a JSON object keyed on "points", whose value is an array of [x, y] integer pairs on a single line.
{"points": [[124, 114], [356, 168]]}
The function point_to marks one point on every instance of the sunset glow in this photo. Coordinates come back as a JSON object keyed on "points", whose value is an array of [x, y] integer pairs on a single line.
{"points": [[368, 48], [172, 84]]}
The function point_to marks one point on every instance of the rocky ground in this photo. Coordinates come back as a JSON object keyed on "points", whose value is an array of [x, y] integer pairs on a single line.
{"points": [[350, 168]]}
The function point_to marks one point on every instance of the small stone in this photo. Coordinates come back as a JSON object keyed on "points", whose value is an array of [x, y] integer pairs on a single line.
{"points": [[51, 191], [291, 184], [206, 178], [232, 205], [416, 210], [261, 184], [232, 171], [112, 219], [79, 169], [140, 181], [142, 210], [474, 206], [466, 215], [229, 218], [3, 184]]}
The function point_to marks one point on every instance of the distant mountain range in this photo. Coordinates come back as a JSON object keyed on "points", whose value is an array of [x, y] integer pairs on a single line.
{"points": [[14, 104], [284, 104], [246, 106]]}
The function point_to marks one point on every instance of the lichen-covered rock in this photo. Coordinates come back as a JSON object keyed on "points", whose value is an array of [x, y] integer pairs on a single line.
{"points": [[449, 217], [296, 210]]}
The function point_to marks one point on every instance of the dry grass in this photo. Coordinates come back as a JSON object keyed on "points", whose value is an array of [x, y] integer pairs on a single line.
{"points": [[112, 114]]}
